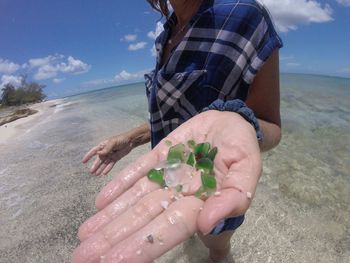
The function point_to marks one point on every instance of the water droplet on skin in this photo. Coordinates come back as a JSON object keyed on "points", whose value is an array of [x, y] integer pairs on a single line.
{"points": [[161, 243], [174, 217], [160, 238], [164, 204], [217, 193], [138, 252], [185, 188]]}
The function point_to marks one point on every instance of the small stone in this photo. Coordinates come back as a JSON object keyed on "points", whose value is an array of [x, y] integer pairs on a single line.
{"points": [[138, 252], [164, 204], [150, 239], [249, 195]]}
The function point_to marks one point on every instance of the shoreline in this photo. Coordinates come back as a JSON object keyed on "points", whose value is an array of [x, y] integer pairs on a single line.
{"points": [[17, 127]]}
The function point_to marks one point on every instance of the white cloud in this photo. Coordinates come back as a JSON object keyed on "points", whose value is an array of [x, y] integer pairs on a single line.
{"points": [[10, 79], [8, 67], [126, 76], [137, 46], [74, 66], [344, 2], [345, 71], [57, 80], [289, 14], [153, 51], [293, 64], [98, 82], [129, 38], [50, 66], [154, 34], [121, 77]]}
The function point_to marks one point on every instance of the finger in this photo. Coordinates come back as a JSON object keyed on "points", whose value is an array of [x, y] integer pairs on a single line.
{"points": [[101, 167], [229, 203], [108, 167], [95, 165], [116, 208], [173, 226], [91, 153], [235, 195], [130, 175], [125, 225]]}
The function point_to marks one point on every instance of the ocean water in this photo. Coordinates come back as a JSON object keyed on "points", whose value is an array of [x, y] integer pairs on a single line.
{"points": [[301, 212]]}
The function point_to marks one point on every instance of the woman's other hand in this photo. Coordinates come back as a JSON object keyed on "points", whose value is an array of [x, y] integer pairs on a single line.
{"points": [[108, 153]]}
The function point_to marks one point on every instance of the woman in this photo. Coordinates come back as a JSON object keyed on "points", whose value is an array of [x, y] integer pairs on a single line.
{"points": [[212, 56]]}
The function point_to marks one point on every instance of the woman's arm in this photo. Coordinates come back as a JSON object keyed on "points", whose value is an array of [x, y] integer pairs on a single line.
{"points": [[264, 100], [140, 135], [110, 151]]}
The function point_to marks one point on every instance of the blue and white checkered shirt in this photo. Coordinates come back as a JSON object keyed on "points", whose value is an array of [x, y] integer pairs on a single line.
{"points": [[226, 44]]}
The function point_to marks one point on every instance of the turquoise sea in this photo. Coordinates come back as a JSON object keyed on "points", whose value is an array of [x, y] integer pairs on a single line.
{"points": [[301, 212]]}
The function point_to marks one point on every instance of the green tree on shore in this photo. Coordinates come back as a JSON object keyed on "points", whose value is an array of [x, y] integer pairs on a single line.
{"points": [[27, 92]]}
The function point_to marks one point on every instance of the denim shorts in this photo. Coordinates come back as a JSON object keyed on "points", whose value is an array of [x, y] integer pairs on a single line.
{"points": [[231, 223]]}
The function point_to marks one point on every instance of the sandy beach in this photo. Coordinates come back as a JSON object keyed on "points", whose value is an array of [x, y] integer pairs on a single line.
{"points": [[20, 126], [300, 212]]}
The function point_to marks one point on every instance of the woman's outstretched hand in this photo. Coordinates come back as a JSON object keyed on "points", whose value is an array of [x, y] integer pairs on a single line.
{"points": [[108, 153], [139, 221]]}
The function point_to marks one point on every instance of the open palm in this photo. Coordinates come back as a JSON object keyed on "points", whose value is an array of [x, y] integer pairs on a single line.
{"points": [[133, 225]]}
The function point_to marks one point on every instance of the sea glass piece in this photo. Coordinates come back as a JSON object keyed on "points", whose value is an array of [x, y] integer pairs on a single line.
{"points": [[191, 159], [206, 165], [156, 176], [212, 153], [180, 175], [177, 152], [191, 144], [208, 181], [201, 150]]}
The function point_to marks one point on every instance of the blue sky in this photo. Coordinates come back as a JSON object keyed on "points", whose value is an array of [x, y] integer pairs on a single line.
{"points": [[76, 46]]}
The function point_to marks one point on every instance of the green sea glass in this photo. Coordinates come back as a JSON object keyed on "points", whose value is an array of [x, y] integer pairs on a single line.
{"points": [[200, 156], [156, 176]]}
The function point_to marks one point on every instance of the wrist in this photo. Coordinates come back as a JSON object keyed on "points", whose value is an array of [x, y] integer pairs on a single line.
{"points": [[138, 136], [240, 108]]}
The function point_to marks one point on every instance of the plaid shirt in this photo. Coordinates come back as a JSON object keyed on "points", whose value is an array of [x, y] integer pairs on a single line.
{"points": [[226, 44]]}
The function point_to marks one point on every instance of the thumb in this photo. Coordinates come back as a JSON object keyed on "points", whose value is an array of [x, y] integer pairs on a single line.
{"points": [[227, 203]]}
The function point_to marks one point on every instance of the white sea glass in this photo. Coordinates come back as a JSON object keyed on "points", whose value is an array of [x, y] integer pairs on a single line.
{"points": [[180, 174]]}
